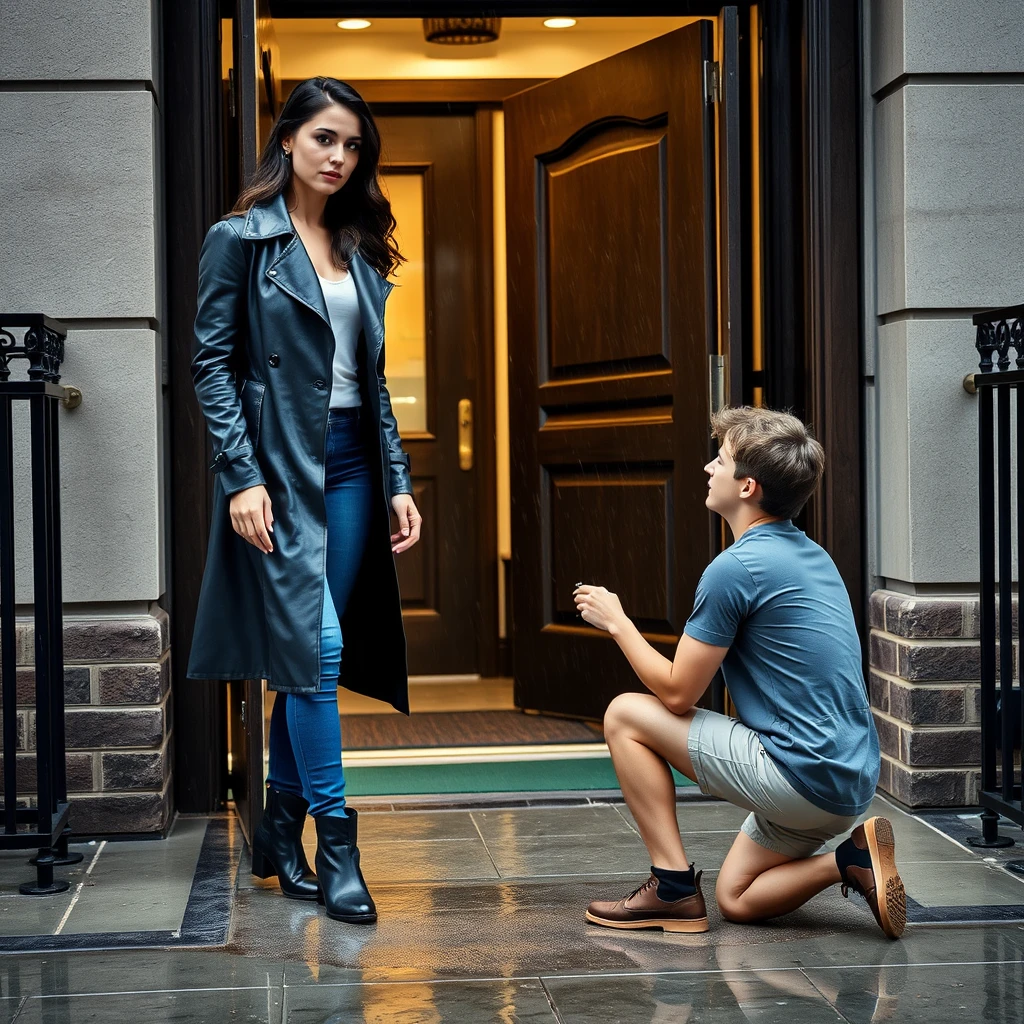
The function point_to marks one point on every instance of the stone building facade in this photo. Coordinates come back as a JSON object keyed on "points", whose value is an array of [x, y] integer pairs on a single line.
{"points": [[82, 202], [943, 108]]}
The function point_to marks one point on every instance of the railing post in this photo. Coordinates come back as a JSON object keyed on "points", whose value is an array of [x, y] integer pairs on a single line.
{"points": [[43, 347], [997, 332]]}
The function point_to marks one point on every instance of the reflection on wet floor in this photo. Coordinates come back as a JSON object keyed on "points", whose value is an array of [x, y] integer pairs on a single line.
{"points": [[481, 920]]}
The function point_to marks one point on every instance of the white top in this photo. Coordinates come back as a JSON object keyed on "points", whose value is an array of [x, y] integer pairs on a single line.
{"points": [[346, 322]]}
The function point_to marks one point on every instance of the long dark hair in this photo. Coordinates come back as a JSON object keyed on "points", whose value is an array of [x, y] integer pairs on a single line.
{"points": [[359, 215]]}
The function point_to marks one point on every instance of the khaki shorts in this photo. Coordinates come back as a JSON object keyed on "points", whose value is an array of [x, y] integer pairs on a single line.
{"points": [[731, 764]]}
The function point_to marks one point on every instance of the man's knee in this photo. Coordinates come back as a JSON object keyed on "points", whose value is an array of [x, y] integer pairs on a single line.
{"points": [[730, 905], [622, 713]]}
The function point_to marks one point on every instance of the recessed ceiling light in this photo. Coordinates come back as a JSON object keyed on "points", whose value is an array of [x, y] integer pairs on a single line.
{"points": [[559, 22], [354, 24]]}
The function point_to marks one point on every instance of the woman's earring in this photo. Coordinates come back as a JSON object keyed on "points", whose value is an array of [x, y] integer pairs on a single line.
{"points": [[287, 154]]}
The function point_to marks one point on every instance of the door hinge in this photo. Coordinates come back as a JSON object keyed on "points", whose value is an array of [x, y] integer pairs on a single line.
{"points": [[232, 90], [712, 82], [242, 715], [718, 382]]}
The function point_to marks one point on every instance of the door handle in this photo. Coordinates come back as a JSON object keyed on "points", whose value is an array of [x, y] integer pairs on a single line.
{"points": [[465, 434]]}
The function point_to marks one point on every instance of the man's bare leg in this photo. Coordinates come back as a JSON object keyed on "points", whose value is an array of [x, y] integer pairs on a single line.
{"points": [[756, 884], [644, 738]]}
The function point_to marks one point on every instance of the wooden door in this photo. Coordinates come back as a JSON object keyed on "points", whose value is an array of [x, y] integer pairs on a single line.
{"points": [[612, 319], [432, 338]]}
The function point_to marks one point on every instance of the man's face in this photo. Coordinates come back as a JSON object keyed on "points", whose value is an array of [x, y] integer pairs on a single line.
{"points": [[724, 490]]}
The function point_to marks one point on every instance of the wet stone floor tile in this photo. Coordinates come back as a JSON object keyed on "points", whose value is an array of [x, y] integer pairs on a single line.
{"points": [[700, 816], [465, 1002], [961, 885], [455, 859], [139, 970], [770, 996], [600, 821], [937, 994], [517, 928], [621, 853], [239, 1006], [409, 826]]}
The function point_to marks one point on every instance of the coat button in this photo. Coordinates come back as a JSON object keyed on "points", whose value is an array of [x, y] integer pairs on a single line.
{"points": [[275, 359], [319, 384], [272, 273]]}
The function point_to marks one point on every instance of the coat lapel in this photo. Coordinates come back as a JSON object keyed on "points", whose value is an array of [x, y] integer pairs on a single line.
{"points": [[292, 271]]}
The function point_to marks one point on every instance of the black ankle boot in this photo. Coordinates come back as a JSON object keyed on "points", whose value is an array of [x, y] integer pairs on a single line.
{"points": [[277, 846], [342, 889]]}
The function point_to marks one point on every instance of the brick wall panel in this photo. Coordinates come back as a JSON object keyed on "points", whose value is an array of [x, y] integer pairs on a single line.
{"points": [[103, 729]]}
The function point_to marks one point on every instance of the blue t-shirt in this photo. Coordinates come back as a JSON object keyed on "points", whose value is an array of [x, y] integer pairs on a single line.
{"points": [[793, 669]]}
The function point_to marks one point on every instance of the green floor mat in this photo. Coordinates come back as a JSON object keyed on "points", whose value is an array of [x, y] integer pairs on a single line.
{"points": [[486, 777]]}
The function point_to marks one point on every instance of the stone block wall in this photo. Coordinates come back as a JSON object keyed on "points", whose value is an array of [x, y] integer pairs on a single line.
{"points": [[118, 722], [926, 696]]}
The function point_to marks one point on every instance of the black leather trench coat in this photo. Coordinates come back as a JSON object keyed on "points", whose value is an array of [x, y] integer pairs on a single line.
{"points": [[262, 372]]}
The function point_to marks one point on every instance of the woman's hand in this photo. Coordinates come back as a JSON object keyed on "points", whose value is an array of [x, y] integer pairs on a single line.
{"points": [[252, 517], [599, 607], [409, 523]]}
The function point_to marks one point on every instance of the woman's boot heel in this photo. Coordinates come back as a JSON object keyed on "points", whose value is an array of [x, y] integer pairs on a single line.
{"points": [[277, 846], [261, 867]]}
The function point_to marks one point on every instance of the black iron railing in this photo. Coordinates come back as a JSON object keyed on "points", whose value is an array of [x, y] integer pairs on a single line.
{"points": [[1000, 390], [43, 827]]}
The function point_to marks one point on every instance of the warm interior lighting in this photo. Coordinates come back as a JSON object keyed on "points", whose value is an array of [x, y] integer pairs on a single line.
{"points": [[559, 22], [354, 24]]}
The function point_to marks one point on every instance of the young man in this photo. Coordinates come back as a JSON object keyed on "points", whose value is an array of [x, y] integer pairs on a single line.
{"points": [[773, 613]]}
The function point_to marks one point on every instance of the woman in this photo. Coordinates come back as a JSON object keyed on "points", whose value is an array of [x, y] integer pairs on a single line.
{"points": [[290, 375]]}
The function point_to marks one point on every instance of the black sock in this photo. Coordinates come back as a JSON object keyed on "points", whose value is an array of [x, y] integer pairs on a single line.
{"points": [[674, 885], [847, 854]]}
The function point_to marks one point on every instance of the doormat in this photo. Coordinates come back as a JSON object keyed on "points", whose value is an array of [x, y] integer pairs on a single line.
{"points": [[462, 729], [487, 777]]}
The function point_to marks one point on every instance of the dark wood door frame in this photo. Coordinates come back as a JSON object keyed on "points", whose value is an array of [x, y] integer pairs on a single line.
{"points": [[194, 197], [811, 155], [811, 249]]}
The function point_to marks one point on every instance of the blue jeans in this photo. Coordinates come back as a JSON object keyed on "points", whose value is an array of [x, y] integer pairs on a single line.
{"points": [[305, 731]]}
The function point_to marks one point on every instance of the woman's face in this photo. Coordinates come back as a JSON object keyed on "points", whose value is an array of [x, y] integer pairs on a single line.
{"points": [[325, 150]]}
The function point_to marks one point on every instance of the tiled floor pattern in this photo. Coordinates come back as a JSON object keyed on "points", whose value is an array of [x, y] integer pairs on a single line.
{"points": [[145, 893], [481, 921]]}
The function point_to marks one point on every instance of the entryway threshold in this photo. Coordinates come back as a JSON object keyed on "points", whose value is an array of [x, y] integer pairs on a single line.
{"points": [[498, 769], [475, 755]]}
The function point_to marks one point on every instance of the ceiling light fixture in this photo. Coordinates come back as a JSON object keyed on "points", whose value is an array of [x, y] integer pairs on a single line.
{"points": [[461, 31], [559, 22], [354, 24]]}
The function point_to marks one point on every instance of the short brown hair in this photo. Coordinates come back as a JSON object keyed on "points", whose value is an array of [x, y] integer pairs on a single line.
{"points": [[777, 450]]}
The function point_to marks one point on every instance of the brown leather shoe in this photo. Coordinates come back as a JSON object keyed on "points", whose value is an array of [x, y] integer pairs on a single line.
{"points": [[642, 909], [890, 910]]}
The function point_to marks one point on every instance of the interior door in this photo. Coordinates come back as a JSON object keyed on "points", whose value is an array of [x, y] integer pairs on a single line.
{"points": [[612, 319], [255, 106], [432, 330]]}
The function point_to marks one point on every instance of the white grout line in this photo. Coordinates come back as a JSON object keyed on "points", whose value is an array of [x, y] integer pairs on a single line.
{"points": [[78, 891], [486, 847]]}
